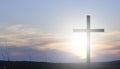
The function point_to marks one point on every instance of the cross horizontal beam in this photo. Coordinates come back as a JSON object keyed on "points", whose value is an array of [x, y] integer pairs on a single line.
{"points": [[88, 30]]}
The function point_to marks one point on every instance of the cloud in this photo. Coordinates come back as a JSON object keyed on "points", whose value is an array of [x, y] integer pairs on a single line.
{"points": [[20, 35], [107, 47], [23, 39]]}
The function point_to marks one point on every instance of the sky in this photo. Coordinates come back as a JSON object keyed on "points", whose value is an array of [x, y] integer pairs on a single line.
{"points": [[42, 30]]}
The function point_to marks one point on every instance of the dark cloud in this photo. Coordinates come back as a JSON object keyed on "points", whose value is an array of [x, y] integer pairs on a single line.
{"points": [[107, 54], [102, 57], [31, 54]]}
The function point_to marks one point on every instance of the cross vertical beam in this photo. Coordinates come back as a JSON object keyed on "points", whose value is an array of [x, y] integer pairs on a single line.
{"points": [[88, 41]]}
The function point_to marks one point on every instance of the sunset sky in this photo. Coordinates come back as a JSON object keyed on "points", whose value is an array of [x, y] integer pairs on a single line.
{"points": [[42, 30]]}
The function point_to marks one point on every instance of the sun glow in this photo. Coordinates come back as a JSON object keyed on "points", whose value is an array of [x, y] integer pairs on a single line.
{"points": [[78, 44]]}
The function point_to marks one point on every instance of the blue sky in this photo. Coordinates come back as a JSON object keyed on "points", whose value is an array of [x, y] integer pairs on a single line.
{"points": [[42, 13], [50, 20]]}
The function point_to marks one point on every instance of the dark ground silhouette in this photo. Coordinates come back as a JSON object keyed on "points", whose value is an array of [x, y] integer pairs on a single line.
{"points": [[45, 65]]}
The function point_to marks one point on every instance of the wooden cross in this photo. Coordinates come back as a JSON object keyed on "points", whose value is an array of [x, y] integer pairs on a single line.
{"points": [[88, 30]]}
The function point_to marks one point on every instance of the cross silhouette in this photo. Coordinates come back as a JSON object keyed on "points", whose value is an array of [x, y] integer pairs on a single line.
{"points": [[88, 30]]}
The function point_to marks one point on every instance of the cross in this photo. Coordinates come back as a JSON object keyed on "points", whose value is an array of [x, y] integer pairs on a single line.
{"points": [[88, 30]]}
